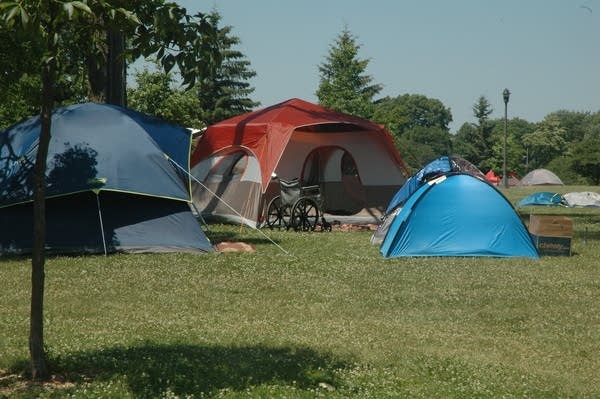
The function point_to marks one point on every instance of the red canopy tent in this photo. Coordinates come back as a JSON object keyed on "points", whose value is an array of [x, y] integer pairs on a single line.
{"points": [[299, 139], [491, 177]]}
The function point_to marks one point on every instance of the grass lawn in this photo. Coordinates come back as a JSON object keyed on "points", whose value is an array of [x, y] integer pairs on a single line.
{"points": [[333, 319]]}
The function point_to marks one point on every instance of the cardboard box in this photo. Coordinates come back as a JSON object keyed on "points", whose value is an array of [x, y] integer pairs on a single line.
{"points": [[551, 234]]}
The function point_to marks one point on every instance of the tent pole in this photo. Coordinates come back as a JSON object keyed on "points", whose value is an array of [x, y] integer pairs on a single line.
{"points": [[200, 216], [101, 223]]}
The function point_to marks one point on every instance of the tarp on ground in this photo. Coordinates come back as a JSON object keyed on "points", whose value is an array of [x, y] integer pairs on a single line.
{"points": [[584, 198], [541, 177], [112, 183], [458, 215], [542, 198]]}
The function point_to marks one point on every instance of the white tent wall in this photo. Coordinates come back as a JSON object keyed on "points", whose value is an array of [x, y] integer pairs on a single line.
{"points": [[232, 179], [228, 181], [378, 176]]}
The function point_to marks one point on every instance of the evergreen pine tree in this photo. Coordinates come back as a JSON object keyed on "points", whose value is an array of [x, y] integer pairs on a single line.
{"points": [[343, 84], [225, 91]]}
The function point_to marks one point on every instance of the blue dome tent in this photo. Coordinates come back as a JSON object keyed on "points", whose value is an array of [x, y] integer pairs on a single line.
{"points": [[116, 181], [458, 215], [441, 166]]}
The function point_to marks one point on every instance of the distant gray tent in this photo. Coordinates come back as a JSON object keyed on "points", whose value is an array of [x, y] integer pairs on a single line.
{"points": [[541, 177], [585, 198]]}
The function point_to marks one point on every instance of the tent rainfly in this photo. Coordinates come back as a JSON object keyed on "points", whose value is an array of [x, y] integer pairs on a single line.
{"points": [[116, 181], [353, 161]]}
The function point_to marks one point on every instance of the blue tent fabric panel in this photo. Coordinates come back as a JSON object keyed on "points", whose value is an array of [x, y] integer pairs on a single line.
{"points": [[438, 166], [131, 223], [458, 215], [542, 198], [97, 147], [150, 224]]}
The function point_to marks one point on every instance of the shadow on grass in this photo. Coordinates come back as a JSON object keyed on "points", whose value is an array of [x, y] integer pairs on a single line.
{"points": [[152, 369], [216, 237]]}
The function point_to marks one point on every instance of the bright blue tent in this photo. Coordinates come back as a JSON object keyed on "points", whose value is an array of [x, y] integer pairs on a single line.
{"points": [[544, 198], [116, 181], [458, 215], [434, 168], [441, 166]]}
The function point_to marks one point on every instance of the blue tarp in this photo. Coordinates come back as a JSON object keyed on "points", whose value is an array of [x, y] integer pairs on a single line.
{"points": [[543, 198], [111, 184], [458, 215]]}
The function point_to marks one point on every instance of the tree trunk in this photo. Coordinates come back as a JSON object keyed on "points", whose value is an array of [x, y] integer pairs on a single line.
{"points": [[115, 84], [39, 369], [107, 76], [96, 80]]}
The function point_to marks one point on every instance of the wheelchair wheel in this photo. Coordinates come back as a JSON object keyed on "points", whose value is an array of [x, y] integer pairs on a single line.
{"points": [[278, 215], [305, 214]]}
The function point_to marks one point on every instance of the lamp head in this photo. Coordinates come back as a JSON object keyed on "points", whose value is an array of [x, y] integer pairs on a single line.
{"points": [[506, 95]]}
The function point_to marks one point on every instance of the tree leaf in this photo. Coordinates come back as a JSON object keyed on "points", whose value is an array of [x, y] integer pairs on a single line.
{"points": [[68, 7], [24, 17], [12, 13], [81, 6], [168, 62]]}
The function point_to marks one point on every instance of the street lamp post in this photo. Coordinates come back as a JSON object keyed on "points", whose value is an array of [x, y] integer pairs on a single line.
{"points": [[505, 95]]}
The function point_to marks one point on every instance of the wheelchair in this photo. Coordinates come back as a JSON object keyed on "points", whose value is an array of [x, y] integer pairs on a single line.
{"points": [[296, 207]]}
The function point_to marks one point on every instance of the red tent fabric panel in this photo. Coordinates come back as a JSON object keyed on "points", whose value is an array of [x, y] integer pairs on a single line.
{"points": [[267, 131], [491, 177]]}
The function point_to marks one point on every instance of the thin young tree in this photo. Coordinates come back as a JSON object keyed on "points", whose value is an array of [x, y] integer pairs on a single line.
{"points": [[174, 37], [45, 19]]}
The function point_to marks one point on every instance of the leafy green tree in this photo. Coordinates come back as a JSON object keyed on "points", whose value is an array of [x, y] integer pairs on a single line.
{"points": [[546, 142], [586, 159], [419, 124], [563, 167], [517, 155], [415, 155], [574, 123], [343, 84], [434, 137], [408, 111], [155, 95], [592, 130], [19, 100], [20, 82], [224, 91], [467, 144]]}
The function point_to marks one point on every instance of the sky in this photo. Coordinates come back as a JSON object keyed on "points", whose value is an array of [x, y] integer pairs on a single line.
{"points": [[546, 52]]}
